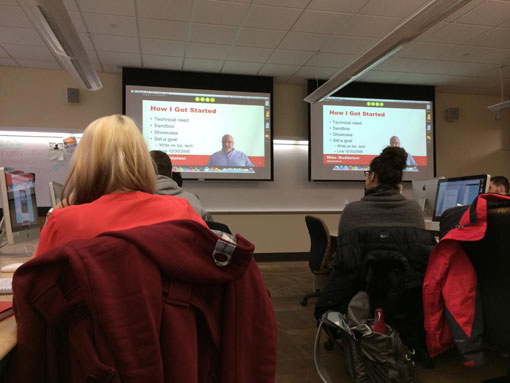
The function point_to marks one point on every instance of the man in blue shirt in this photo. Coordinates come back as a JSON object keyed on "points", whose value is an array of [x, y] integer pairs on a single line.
{"points": [[395, 141], [228, 156]]}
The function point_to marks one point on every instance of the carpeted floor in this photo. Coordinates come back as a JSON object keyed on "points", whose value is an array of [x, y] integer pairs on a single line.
{"points": [[287, 283]]}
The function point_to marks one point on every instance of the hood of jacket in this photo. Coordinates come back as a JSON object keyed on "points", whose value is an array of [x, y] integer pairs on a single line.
{"points": [[167, 186]]}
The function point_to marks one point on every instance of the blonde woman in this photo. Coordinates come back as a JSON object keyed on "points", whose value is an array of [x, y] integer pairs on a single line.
{"points": [[110, 187]]}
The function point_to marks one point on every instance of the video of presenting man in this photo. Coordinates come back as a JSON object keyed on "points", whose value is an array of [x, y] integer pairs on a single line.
{"points": [[228, 155]]}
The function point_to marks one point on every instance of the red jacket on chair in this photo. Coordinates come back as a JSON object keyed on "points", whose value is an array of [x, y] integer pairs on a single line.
{"points": [[169, 302], [451, 298]]}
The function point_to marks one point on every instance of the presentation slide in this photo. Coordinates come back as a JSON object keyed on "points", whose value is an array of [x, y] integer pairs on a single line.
{"points": [[207, 134], [347, 133]]}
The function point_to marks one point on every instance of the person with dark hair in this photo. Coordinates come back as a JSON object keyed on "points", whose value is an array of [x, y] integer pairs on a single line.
{"points": [[499, 185], [383, 205], [176, 176], [165, 185]]}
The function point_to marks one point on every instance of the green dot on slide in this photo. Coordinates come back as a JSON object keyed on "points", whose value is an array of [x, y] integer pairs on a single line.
{"points": [[368, 103], [207, 99], [197, 99], [213, 99], [202, 99], [381, 104]]}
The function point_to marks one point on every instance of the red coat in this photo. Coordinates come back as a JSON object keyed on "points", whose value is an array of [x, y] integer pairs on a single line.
{"points": [[451, 298], [111, 212], [148, 304]]}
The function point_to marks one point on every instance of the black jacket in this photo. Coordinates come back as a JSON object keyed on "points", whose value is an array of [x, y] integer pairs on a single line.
{"points": [[389, 263]]}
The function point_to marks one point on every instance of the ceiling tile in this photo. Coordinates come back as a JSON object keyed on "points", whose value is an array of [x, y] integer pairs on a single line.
{"points": [[217, 34], [28, 52], [178, 10], [463, 10], [45, 64], [162, 47], [78, 22], [19, 36], [120, 59], [162, 62], [347, 44], [201, 65], [109, 68], [392, 7], [494, 38], [219, 12], [332, 60], [456, 34], [349, 6], [316, 72], [271, 17], [290, 57], [110, 24], [13, 17], [321, 22], [249, 54], [71, 5], [381, 76], [420, 50], [369, 26], [262, 38], [207, 51], [279, 70], [110, 7], [3, 53], [300, 4], [303, 41], [477, 55], [506, 24], [7, 62], [395, 64], [489, 13], [240, 67], [8, 2], [163, 29], [116, 43]]}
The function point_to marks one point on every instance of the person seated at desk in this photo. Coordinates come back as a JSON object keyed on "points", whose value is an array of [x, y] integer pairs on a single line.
{"points": [[165, 185], [383, 205], [499, 185], [110, 187]]}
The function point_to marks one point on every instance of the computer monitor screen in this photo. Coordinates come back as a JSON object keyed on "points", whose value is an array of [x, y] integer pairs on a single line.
{"points": [[424, 192], [459, 191], [19, 205], [55, 193]]}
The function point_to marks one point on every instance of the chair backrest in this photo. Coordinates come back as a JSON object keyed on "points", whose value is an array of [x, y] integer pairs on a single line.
{"points": [[491, 260], [213, 225], [320, 241]]}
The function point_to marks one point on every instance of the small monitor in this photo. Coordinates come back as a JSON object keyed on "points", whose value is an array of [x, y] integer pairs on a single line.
{"points": [[21, 221], [424, 192], [459, 191], [55, 193]]}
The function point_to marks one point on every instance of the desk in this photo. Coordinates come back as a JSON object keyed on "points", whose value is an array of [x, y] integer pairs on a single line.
{"points": [[8, 335]]}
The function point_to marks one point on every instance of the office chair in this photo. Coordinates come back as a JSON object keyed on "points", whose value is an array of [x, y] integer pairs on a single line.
{"points": [[322, 248], [218, 226], [490, 259]]}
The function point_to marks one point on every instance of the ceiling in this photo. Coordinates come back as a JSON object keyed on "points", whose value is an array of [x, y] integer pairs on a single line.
{"points": [[292, 40]]}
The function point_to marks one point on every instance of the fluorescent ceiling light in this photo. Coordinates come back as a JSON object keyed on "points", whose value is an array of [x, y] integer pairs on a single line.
{"points": [[426, 17], [54, 25]]}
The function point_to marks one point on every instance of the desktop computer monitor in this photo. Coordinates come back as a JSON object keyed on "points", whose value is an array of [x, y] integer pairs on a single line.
{"points": [[55, 193], [21, 221], [424, 192], [459, 191]]}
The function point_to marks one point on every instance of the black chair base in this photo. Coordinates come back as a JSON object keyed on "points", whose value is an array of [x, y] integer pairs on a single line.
{"points": [[315, 294]]}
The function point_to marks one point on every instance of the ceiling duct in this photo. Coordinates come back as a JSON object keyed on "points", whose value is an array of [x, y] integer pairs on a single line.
{"points": [[53, 23]]}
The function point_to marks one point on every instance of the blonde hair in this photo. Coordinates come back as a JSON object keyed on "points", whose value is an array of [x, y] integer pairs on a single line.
{"points": [[111, 157]]}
